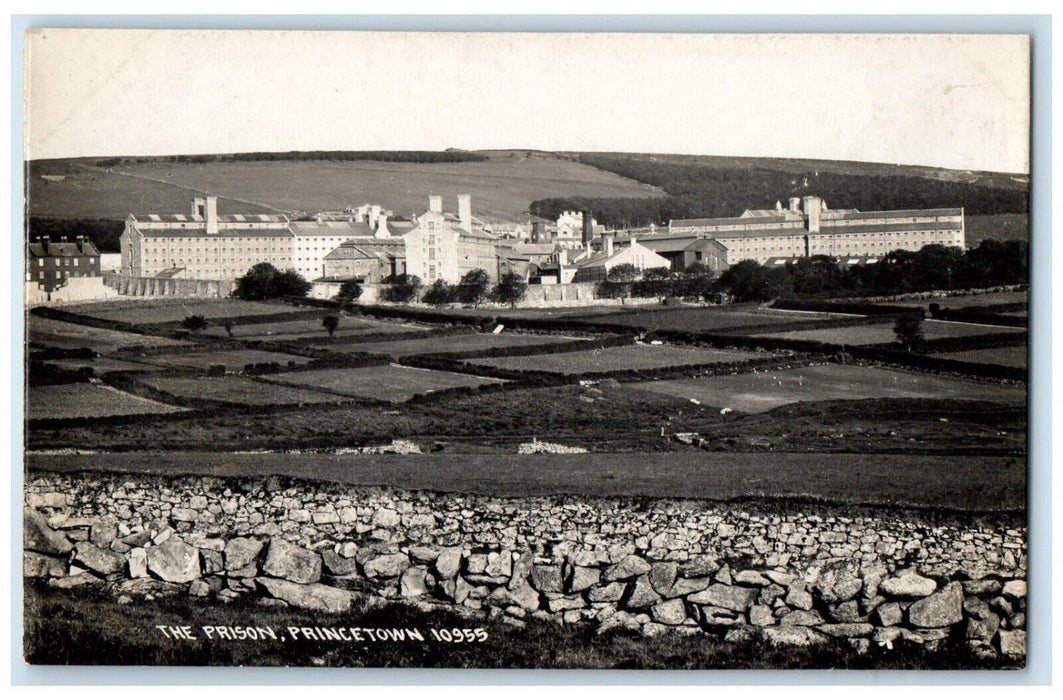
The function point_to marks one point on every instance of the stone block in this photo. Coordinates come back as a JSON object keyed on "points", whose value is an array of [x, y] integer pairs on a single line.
{"points": [[287, 561], [940, 609], [174, 561]]}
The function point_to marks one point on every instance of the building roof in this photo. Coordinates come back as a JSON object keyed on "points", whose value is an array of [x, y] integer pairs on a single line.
{"points": [[330, 228], [170, 273], [201, 232], [892, 228], [534, 248], [62, 249], [222, 218]]}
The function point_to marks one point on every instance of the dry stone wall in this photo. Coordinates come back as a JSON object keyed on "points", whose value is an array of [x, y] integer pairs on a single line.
{"points": [[787, 575]]}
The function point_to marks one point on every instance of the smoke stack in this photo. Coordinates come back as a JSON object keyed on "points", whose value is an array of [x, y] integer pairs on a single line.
{"points": [[795, 204], [608, 239], [465, 211], [382, 227], [588, 229], [435, 203], [212, 215], [812, 211]]}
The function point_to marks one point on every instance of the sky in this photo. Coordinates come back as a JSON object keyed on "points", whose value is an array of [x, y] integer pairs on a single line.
{"points": [[952, 101]]}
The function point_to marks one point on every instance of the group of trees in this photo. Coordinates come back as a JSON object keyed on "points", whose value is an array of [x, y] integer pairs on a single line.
{"points": [[695, 282], [990, 264], [104, 233], [264, 281], [706, 191], [389, 156], [474, 288]]}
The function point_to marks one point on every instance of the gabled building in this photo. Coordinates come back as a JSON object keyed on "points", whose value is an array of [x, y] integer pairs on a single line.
{"points": [[50, 263], [595, 267], [445, 246]]}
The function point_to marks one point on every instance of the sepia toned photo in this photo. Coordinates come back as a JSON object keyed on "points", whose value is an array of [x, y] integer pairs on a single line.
{"points": [[526, 351]]}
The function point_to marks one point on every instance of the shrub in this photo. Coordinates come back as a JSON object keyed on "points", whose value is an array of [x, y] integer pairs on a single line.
{"points": [[194, 323], [401, 289], [331, 323], [439, 294], [511, 289], [909, 330], [350, 290], [473, 287]]}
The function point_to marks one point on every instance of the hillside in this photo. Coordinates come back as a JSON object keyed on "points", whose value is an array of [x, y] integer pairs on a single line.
{"points": [[501, 187]]}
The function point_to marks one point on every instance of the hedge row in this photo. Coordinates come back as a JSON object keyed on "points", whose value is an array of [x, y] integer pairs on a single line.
{"points": [[388, 336], [44, 374], [982, 317], [46, 353], [335, 361], [843, 307], [814, 325], [239, 321], [868, 352], [611, 341]]}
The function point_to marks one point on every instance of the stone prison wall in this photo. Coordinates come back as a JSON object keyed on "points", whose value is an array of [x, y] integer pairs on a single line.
{"points": [[789, 575]]}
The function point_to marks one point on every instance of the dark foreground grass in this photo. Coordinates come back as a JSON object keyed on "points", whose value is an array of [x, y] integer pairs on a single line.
{"points": [[946, 483], [87, 628]]}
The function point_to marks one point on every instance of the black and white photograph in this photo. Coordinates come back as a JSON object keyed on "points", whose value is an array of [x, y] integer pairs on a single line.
{"points": [[518, 350]]}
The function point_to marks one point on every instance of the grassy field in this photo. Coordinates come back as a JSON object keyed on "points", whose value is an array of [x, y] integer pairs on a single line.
{"points": [[309, 328], [233, 389], [234, 360], [89, 628], [170, 310], [390, 382], [87, 401], [625, 357], [89, 192], [449, 343], [705, 318], [1009, 357], [47, 332], [986, 484], [501, 187], [874, 335], [762, 391]]}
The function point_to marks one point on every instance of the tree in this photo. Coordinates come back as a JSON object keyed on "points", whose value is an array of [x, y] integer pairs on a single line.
{"points": [[331, 323], [625, 272], [401, 289], [194, 323], [473, 287], [350, 290], [439, 294], [227, 324], [511, 289], [909, 330], [263, 281]]}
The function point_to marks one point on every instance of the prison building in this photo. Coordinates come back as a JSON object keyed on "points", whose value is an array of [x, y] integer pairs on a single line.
{"points": [[367, 260], [205, 244], [445, 246], [808, 227]]}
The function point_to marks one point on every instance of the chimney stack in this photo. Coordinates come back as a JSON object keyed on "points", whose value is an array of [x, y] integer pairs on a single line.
{"points": [[795, 204], [382, 227], [374, 215], [199, 206], [813, 207], [435, 203], [212, 215], [608, 244], [465, 211], [588, 229]]}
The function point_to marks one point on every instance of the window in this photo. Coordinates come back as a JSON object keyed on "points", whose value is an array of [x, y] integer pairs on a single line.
{"points": [[40, 262]]}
